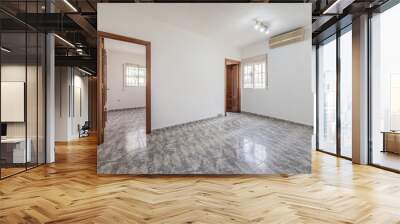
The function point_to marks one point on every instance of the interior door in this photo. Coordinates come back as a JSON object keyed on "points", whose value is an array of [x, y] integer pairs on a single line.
{"points": [[232, 88], [235, 88], [101, 90], [104, 87], [229, 93]]}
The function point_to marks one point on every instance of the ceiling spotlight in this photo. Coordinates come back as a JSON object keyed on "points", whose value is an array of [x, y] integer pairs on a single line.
{"points": [[65, 41], [70, 5], [333, 6], [260, 26], [5, 50], [257, 25], [84, 71]]}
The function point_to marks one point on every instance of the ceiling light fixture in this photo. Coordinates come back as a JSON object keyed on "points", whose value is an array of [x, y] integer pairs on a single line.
{"points": [[334, 4], [70, 5], [5, 50], [84, 71], [257, 25], [260, 26], [65, 41]]}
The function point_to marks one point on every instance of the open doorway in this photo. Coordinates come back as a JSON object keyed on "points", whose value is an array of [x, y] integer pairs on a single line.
{"points": [[232, 86], [126, 94]]}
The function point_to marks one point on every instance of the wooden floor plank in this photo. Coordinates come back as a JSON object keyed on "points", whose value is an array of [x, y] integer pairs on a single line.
{"points": [[70, 191]]}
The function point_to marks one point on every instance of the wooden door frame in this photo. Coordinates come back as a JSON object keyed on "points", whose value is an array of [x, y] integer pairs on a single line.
{"points": [[233, 62], [100, 44]]}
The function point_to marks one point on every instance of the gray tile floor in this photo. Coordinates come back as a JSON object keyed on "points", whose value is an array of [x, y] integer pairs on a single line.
{"points": [[235, 144]]}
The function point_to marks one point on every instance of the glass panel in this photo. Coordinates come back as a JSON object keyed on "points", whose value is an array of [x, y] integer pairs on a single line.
{"points": [[385, 86], [32, 88], [346, 93], [327, 96], [41, 98], [248, 77], [259, 75], [31, 98], [23, 90], [142, 77], [13, 88]]}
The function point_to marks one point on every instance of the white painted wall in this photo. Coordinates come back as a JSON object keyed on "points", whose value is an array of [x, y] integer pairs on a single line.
{"points": [[66, 121], [187, 68], [62, 81], [289, 93], [18, 73], [77, 118], [118, 96], [33, 126]]}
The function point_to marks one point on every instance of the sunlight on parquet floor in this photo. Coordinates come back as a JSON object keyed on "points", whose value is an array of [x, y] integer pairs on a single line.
{"points": [[70, 191]]}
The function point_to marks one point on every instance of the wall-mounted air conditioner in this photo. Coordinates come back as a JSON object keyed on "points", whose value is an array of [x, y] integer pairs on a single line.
{"points": [[290, 37]]}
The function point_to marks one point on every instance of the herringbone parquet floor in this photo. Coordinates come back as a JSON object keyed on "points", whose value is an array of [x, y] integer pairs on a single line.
{"points": [[69, 191]]}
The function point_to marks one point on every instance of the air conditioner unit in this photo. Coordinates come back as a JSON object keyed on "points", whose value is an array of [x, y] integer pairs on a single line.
{"points": [[290, 37]]}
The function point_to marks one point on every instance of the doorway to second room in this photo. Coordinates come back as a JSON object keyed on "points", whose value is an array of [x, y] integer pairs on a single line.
{"points": [[232, 86], [125, 70]]}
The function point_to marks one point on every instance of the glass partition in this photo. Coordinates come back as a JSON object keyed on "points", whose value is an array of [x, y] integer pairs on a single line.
{"points": [[23, 91], [41, 88], [31, 99], [346, 93], [385, 89], [334, 95], [13, 94], [327, 96]]}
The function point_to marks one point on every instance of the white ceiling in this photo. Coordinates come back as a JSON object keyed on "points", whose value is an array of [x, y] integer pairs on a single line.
{"points": [[230, 23], [126, 47]]}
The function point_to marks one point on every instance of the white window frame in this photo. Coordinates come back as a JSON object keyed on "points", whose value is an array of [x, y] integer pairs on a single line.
{"points": [[262, 73], [136, 77], [250, 74]]}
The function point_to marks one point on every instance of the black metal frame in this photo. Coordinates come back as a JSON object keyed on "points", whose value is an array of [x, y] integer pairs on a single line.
{"points": [[338, 97], [369, 81], [316, 97], [44, 80], [337, 36]]}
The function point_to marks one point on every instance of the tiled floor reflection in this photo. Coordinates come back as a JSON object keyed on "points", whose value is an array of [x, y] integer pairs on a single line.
{"points": [[236, 144]]}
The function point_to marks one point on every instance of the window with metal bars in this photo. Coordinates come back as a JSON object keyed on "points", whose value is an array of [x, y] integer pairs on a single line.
{"points": [[134, 76], [254, 75]]}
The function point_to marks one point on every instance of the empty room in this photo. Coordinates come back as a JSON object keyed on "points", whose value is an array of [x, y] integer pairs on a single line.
{"points": [[125, 66], [154, 112], [221, 98]]}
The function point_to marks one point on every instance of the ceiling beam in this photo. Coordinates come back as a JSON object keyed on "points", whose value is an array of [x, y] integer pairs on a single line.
{"points": [[83, 23], [337, 7], [82, 61]]}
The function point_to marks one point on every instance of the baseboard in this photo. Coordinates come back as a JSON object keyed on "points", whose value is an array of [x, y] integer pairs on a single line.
{"points": [[184, 124], [219, 115], [122, 109], [278, 119]]}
